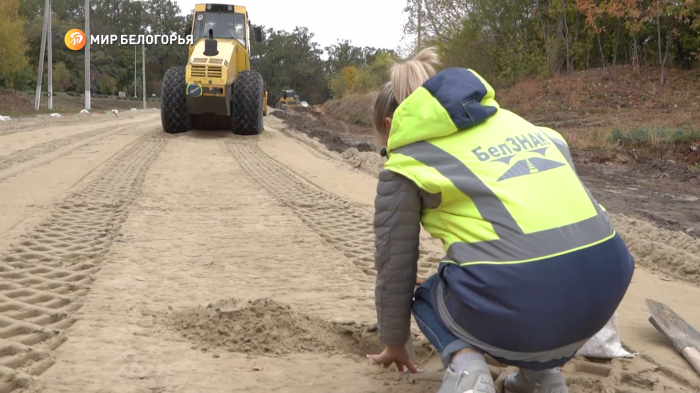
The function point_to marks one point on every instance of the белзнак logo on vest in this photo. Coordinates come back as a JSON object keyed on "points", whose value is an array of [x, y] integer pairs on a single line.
{"points": [[530, 150]]}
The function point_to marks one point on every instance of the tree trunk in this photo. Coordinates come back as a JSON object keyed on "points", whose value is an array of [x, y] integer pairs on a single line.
{"points": [[635, 51], [566, 35], [600, 46], [588, 59], [554, 62], [662, 60], [658, 32], [667, 51], [618, 36]]}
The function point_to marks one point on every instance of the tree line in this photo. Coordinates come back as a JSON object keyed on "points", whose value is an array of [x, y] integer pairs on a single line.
{"points": [[505, 40], [287, 60], [112, 66], [508, 40], [293, 60]]}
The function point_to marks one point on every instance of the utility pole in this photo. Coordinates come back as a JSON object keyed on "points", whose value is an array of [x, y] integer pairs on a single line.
{"points": [[49, 87], [37, 99], [143, 71], [135, 74], [87, 54]]}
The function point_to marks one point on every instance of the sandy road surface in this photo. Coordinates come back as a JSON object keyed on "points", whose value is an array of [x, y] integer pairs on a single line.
{"points": [[134, 261]]}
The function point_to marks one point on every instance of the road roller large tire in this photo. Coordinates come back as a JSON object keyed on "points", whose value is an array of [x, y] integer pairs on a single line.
{"points": [[174, 116], [248, 96]]}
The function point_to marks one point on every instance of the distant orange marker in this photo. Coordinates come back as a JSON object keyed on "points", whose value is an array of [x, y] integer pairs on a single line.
{"points": [[75, 39]]}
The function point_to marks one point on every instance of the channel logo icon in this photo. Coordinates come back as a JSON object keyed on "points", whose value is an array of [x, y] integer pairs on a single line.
{"points": [[75, 39]]}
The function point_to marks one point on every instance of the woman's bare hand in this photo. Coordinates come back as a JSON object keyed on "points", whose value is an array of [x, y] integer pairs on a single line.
{"points": [[397, 355]]}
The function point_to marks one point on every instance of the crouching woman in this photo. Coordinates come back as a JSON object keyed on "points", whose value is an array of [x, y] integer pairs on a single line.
{"points": [[533, 266]]}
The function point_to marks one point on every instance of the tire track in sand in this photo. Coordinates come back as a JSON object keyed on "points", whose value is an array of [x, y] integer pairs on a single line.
{"points": [[342, 225], [30, 153], [43, 276], [350, 230], [640, 374]]}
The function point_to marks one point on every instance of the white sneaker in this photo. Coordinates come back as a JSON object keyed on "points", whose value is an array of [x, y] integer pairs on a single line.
{"points": [[475, 379]]}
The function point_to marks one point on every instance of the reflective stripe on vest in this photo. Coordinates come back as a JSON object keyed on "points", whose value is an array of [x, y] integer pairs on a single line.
{"points": [[513, 246]]}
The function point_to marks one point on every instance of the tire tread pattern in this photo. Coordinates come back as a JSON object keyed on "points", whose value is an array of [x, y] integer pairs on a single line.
{"points": [[247, 103], [174, 115]]}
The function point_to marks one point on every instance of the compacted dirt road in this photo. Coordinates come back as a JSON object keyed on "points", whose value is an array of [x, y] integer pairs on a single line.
{"points": [[135, 261]]}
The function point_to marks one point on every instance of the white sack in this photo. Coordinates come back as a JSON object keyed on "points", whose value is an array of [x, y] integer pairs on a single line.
{"points": [[606, 343]]}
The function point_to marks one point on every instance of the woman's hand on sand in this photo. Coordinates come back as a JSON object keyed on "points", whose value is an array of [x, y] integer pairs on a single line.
{"points": [[398, 355]]}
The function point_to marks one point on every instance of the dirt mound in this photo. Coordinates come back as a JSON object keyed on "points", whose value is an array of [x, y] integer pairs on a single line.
{"points": [[354, 109], [671, 252], [308, 123], [368, 161], [333, 142], [618, 96], [265, 327], [602, 110], [609, 90]]}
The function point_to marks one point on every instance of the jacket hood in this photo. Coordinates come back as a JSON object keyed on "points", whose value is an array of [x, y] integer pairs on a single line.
{"points": [[455, 99]]}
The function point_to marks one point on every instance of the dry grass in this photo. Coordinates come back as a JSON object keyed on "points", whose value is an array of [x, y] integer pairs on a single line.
{"points": [[588, 139], [615, 109], [22, 103], [354, 108], [658, 142], [603, 91]]}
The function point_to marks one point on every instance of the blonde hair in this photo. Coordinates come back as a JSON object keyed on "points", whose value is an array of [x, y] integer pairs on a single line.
{"points": [[383, 107], [406, 77]]}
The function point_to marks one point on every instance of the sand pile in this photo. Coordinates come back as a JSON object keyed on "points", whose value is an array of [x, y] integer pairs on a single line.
{"points": [[266, 327], [671, 252], [368, 161]]}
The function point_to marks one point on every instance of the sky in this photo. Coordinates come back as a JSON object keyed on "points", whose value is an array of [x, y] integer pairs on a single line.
{"points": [[375, 23]]}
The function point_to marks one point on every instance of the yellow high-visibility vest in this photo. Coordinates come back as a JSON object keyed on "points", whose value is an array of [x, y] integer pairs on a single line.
{"points": [[508, 189]]}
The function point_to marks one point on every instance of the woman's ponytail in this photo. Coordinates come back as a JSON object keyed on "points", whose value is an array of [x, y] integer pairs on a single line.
{"points": [[406, 77]]}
